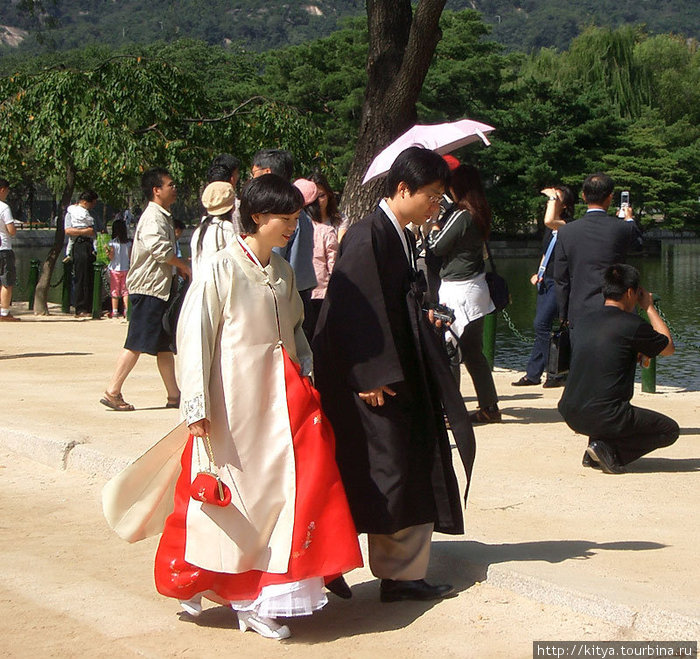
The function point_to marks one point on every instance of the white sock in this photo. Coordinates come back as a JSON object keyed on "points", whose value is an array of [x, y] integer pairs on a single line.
{"points": [[4, 312]]}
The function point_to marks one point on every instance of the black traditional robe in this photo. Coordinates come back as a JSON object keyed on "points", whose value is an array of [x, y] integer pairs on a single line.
{"points": [[395, 460]]}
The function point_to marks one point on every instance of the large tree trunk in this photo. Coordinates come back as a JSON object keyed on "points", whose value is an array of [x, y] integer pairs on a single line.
{"points": [[401, 48], [41, 296]]}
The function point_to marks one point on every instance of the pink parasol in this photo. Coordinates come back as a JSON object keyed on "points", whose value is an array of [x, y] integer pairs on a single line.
{"points": [[441, 138]]}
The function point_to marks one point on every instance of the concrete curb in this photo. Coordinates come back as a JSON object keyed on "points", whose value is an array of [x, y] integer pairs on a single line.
{"points": [[64, 455], [47, 451], [657, 623], [651, 621]]}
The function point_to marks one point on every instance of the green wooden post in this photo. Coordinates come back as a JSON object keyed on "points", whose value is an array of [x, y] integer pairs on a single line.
{"points": [[489, 340], [97, 291], [649, 377], [648, 372], [34, 266], [67, 281]]}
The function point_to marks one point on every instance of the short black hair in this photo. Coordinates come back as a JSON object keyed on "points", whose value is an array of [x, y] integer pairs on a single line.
{"points": [[4, 183], [416, 167], [597, 188], [618, 279], [88, 195], [219, 172], [227, 160], [268, 193], [278, 161], [178, 224], [153, 178]]}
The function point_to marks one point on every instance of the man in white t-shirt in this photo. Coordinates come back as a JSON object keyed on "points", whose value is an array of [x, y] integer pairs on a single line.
{"points": [[8, 275], [80, 227]]}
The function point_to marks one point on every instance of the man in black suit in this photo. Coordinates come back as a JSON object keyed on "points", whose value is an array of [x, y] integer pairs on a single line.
{"points": [[587, 247], [384, 379], [596, 401]]}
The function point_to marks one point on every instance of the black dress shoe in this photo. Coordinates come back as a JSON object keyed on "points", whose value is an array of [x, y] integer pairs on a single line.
{"points": [[588, 461], [605, 457], [340, 588], [525, 382], [550, 383], [398, 591]]}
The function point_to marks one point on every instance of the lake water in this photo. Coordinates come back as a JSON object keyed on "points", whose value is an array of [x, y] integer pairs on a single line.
{"points": [[674, 277]]}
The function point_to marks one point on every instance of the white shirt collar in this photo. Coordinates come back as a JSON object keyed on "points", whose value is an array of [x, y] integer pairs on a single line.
{"points": [[159, 207], [392, 218]]}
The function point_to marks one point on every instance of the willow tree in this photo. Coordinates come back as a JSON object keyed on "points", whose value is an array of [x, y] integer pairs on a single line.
{"points": [[605, 59], [101, 128], [98, 128], [401, 46]]}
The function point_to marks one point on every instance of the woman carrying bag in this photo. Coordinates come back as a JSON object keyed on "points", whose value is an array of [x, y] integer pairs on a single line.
{"points": [[464, 289]]}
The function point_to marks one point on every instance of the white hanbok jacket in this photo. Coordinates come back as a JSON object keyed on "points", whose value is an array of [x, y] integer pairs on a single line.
{"points": [[234, 321]]}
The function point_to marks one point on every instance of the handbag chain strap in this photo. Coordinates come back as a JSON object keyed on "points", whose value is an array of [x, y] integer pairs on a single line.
{"points": [[212, 462]]}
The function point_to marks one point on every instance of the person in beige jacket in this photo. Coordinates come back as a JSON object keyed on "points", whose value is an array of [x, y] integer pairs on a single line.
{"points": [[153, 259]]}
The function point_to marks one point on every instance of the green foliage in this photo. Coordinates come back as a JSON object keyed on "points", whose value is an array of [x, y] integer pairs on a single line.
{"points": [[617, 100], [107, 124], [110, 123], [465, 76], [529, 25]]}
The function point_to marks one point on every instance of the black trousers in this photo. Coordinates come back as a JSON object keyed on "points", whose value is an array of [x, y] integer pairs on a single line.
{"points": [[83, 274], [644, 431], [471, 343]]}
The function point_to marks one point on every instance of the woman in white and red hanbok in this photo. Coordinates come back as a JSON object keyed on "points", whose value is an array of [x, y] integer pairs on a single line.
{"points": [[243, 363]]}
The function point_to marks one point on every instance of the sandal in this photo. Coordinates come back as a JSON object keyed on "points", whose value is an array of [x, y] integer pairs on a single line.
{"points": [[173, 403], [486, 415], [116, 402]]}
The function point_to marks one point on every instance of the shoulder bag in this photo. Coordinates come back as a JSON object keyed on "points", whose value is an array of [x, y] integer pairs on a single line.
{"points": [[498, 287]]}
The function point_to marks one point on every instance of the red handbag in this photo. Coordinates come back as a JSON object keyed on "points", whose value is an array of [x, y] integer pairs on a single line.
{"points": [[207, 487]]}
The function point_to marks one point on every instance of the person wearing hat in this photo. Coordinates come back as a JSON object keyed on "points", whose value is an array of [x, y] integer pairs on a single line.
{"points": [[216, 230]]}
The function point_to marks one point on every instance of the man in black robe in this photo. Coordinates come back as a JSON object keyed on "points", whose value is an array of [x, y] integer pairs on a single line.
{"points": [[386, 385]]}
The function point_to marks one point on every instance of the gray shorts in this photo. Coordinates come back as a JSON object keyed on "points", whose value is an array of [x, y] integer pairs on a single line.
{"points": [[8, 273]]}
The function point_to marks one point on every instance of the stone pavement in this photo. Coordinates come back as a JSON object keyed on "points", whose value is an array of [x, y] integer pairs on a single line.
{"points": [[620, 548]]}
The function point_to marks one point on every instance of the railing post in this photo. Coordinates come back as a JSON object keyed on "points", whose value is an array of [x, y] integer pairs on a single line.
{"points": [[649, 372], [489, 338], [649, 377], [97, 291], [34, 266], [66, 290]]}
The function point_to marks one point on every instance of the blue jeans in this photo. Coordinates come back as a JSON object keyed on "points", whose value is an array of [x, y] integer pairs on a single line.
{"points": [[545, 313]]}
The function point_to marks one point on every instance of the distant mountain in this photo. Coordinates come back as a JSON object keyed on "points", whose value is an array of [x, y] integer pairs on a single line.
{"points": [[527, 25], [267, 24]]}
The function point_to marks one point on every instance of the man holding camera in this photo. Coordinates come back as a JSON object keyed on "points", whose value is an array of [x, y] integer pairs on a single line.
{"points": [[585, 248], [596, 401]]}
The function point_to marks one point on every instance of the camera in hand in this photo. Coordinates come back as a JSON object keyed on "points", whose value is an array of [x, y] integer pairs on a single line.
{"points": [[441, 312]]}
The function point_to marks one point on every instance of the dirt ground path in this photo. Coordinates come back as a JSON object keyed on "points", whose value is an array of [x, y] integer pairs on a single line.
{"points": [[71, 588]]}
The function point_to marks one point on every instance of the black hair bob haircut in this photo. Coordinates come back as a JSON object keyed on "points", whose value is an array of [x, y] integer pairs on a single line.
{"points": [[416, 167], [268, 193]]}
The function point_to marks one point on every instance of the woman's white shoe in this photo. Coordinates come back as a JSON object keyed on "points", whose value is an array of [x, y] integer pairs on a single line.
{"points": [[266, 627], [192, 606]]}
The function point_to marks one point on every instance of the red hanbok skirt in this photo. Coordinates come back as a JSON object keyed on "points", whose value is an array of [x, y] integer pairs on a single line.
{"points": [[324, 540]]}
